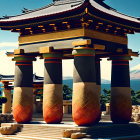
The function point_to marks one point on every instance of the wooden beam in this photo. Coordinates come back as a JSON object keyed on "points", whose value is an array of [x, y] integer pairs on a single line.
{"points": [[19, 51], [82, 43], [73, 33], [99, 47], [47, 49], [131, 53]]}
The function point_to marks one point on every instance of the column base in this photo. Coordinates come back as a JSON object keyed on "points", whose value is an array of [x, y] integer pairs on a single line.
{"points": [[98, 89], [121, 106], [23, 104], [85, 104], [6, 107], [53, 103]]}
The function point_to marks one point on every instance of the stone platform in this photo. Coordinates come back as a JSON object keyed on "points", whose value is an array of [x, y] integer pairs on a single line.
{"points": [[105, 130]]}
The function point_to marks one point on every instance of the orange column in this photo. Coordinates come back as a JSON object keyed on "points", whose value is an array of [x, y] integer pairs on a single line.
{"points": [[86, 99], [23, 89], [53, 89]]}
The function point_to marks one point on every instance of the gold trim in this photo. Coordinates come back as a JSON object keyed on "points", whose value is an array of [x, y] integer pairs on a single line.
{"points": [[99, 47], [51, 36], [18, 51], [112, 21], [42, 21], [72, 34], [47, 49], [106, 36], [85, 12], [82, 43]]}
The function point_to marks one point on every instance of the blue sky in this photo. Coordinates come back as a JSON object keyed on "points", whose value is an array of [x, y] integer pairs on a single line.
{"points": [[14, 7]]}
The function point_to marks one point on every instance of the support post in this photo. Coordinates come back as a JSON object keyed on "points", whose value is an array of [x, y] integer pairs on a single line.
{"points": [[98, 75], [121, 106], [6, 107], [53, 90], [85, 100], [23, 88], [34, 100], [107, 108]]}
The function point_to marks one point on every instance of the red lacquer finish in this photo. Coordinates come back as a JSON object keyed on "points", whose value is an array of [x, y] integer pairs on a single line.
{"points": [[22, 114], [53, 114], [87, 115]]}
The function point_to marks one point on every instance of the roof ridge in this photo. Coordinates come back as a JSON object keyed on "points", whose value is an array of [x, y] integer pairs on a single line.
{"points": [[62, 2], [31, 11]]}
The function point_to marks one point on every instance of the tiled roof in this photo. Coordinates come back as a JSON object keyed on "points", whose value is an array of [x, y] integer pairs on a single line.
{"points": [[112, 11], [36, 79], [55, 7], [62, 7]]}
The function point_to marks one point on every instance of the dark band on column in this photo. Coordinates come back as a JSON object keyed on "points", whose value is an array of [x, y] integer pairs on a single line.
{"points": [[23, 71], [83, 71], [23, 76], [120, 73], [53, 60], [98, 71], [84, 62], [53, 68], [29, 63], [120, 62], [53, 73]]}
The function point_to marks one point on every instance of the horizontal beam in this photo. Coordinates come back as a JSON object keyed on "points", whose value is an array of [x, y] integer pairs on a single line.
{"points": [[74, 33], [19, 51], [47, 49], [82, 43]]}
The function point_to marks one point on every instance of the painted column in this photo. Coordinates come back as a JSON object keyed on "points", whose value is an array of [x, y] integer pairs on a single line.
{"points": [[107, 108], [34, 100], [98, 75], [23, 89], [6, 108], [121, 106], [53, 90], [85, 101]]}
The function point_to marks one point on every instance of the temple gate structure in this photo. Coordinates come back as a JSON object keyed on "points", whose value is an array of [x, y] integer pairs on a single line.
{"points": [[83, 30], [7, 81]]}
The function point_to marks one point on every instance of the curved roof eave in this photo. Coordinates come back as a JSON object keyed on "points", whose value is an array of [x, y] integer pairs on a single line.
{"points": [[59, 8], [50, 10], [113, 13]]}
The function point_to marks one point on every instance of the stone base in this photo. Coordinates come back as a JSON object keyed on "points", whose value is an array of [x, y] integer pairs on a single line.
{"points": [[6, 118], [11, 129], [103, 130]]}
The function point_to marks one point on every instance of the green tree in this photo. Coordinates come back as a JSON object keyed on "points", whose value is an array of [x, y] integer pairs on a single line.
{"points": [[67, 92], [105, 98], [135, 97], [103, 101], [107, 94], [3, 100]]}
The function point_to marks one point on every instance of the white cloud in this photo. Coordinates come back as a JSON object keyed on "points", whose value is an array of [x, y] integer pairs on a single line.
{"points": [[137, 67], [9, 44], [106, 69], [38, 67], [7, 66], [67, 68]]}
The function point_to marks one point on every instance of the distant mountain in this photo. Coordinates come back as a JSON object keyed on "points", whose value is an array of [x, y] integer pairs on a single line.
{"points": [[68, 81], [103, 81], [134, 75], [135, 72]]}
